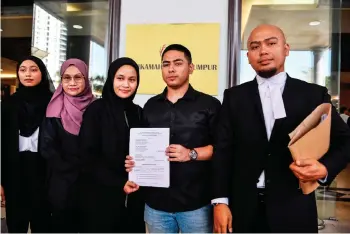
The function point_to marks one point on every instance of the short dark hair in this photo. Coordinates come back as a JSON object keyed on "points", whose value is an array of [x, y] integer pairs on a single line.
{"points": [[342, 109], [180, 48]]}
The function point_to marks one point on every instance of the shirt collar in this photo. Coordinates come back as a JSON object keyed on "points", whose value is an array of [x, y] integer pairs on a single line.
{"points": [[279, 79], [189, 95]]}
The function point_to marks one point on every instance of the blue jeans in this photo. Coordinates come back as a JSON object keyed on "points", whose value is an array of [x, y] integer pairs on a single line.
{"points": [[199, 221]]}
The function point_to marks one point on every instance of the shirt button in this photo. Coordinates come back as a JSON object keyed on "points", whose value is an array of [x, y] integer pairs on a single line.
{"points": [[268, 181]]}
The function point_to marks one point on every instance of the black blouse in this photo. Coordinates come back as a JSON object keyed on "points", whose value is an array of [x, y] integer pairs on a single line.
{"points": [[61, 151]]}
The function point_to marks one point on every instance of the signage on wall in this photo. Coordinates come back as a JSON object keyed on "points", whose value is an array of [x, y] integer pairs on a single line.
{"points": [[144, 43]]}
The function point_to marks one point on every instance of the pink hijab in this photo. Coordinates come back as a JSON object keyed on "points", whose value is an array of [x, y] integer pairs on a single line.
{"points": [[68, 108]]}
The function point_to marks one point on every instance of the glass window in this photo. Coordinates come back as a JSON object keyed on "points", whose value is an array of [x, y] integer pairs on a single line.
{"points": [[307, 27], [74, 30], [16, 39]]}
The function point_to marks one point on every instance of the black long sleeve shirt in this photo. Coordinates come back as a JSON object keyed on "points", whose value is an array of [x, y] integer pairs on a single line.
{"points": [[192, 121]]}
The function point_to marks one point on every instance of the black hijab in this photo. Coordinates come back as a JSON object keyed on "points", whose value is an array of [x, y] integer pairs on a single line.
{"points": [[31, 102], [118, 108], [119, 105], [108, 90]]}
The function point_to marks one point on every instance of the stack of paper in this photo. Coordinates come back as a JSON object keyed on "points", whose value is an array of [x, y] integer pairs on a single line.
{"points": [[311, 139]]}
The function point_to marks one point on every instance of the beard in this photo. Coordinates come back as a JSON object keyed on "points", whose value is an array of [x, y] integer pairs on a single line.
{"points": [[268, 73]]}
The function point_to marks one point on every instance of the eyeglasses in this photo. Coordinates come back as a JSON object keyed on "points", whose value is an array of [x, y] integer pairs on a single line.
{"points": [[77, 79]]}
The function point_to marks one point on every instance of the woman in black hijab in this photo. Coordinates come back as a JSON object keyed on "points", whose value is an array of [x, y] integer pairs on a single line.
{"points": [[104, 142], [23, 168]]}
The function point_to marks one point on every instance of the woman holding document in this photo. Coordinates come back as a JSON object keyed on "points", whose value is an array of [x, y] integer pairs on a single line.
{"points": [[104, 138]]}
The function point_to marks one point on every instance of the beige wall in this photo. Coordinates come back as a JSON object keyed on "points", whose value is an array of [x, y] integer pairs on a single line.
{"points": [[20, 26]]}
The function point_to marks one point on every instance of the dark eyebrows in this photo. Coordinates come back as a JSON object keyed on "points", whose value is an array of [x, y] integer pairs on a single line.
{"points": [[176, 60], [267, 39], [74, 74], [130, 77], [33, 66]]}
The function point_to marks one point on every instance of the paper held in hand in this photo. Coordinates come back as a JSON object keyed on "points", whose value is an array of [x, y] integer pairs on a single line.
{"points": [[147, 146], [311, 139]]}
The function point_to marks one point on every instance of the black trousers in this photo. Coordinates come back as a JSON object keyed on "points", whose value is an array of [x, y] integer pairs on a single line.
{"points": [[26, 203], [65, 221], [261, 224], [64, 207]]}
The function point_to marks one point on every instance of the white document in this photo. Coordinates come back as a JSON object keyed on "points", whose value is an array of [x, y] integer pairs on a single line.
{"points": [[147, 147]]}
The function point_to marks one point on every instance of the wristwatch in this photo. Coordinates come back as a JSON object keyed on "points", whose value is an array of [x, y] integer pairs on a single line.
{"points": [[193, 154]]}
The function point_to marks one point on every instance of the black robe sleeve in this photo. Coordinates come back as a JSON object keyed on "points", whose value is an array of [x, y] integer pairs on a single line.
{"points": [[4, 143], [338, 155], [90, 137], [49, 141]]}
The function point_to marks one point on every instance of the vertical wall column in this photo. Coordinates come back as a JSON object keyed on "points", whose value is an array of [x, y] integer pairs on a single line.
{"points": [[318, 73], [336, 49], [113, 30], [234, 41]]}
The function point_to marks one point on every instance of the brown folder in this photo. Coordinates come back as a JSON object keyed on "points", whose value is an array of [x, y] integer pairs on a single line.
{"points": [[311, 139]]}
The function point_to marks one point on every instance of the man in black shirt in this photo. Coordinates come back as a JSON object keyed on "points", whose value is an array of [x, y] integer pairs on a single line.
{"points": [[191, 117]]}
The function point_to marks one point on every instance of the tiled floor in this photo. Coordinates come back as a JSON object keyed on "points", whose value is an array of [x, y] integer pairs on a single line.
{"points": [[335, 210]]}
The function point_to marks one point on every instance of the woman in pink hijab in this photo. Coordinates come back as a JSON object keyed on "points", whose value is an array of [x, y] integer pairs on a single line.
{"points": [[59, 143]]}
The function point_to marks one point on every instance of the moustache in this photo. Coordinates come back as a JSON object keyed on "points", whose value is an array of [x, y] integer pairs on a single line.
{"points": [[264, 59]]}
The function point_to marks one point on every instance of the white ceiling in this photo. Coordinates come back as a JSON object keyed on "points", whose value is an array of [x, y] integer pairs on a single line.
{"points": [[92, 16], [295, 24]]}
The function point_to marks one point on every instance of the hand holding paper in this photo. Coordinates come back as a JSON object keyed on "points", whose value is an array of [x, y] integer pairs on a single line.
{"points": [[310, 141], [308, 170], [130, 187], [177, 153], [129, 163], [149, 165]]}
